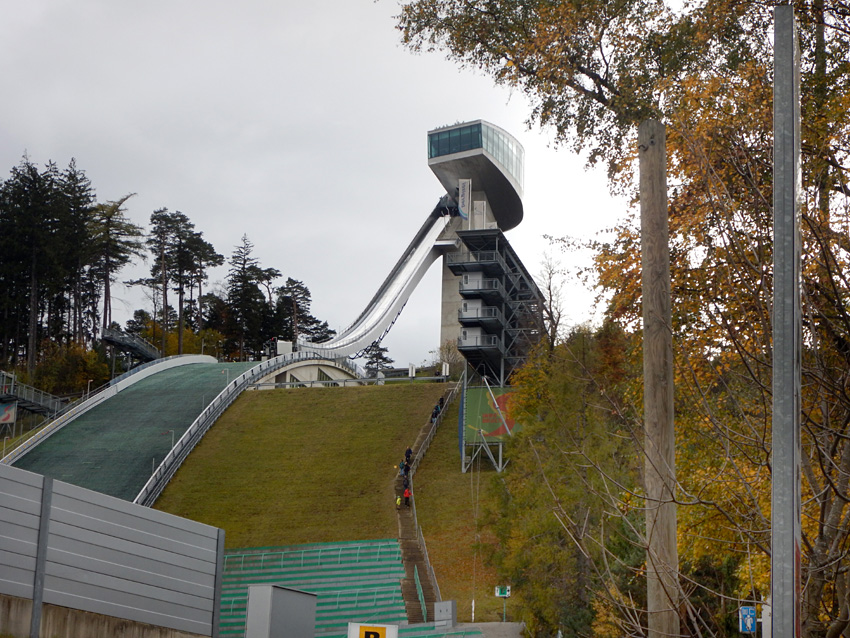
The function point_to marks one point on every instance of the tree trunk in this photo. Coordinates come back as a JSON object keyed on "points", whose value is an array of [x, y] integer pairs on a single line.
{"points": [[180, 318], [164, 283], [107, 297], [32, 337]]}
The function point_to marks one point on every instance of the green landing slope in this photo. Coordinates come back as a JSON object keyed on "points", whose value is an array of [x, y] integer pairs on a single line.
{"points": [[113, 448], [310, 465]]}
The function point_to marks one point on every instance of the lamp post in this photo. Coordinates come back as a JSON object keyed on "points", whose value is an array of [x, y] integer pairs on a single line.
{"points": [[88, 388]]}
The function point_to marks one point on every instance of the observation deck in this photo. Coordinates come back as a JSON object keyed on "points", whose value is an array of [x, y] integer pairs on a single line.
{"points": [[487, 155]]}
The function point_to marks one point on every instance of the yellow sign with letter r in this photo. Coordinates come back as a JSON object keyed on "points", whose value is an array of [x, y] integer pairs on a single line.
{"points": [[356, 630]]}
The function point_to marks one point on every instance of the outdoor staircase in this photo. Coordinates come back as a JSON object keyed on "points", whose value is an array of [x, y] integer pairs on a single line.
{"points": [[418, 587], [415, 567], [132, 344], [28, 397]]}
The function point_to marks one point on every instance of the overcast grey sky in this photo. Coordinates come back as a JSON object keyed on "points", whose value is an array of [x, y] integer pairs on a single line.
{"points": [[301, 124]]}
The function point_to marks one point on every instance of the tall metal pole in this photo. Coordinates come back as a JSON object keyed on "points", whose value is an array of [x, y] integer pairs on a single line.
{"points": [[662, 560], [785, 504]]}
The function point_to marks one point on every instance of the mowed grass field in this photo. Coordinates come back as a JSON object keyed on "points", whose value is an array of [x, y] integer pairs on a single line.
{"points": [[313, 465], [306, 465]]}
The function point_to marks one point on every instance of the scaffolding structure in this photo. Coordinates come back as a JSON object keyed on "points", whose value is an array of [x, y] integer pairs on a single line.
{"points": [[501, 319]]}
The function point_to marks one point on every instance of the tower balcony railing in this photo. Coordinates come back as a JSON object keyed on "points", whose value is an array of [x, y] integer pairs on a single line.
{"points": [[485, 314], [482, 342], [483, 257], [483, 286]]}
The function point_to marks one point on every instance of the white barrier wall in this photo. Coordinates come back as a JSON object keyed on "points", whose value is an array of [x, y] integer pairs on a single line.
{"points": [[64, 545]]}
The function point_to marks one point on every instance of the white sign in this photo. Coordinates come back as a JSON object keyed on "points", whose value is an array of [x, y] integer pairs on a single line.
{"points": [[503, 592], [464, 197]]}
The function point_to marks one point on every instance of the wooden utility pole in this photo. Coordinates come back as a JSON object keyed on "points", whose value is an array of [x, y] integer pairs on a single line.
{"points": [[662, 560]]}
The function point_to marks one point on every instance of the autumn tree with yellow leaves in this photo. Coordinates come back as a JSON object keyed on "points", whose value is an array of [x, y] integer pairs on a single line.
{"points": [[593, 71]]}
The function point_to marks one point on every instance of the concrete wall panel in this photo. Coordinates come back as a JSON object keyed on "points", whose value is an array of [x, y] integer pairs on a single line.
{"points": [[15, 612], [92, 567], [20, 505], [157, 561], [101, 540], [107, 556], [63, 622], [120, 512]]}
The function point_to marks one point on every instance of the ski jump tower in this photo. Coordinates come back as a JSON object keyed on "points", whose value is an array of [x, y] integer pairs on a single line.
{"points": [[490, 304]]}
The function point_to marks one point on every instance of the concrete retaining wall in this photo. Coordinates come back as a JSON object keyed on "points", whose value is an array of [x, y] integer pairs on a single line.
{"points": [[61, 622]]}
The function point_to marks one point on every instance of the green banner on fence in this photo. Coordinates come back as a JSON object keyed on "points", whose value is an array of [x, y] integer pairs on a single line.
{"points": [[482, 418]]}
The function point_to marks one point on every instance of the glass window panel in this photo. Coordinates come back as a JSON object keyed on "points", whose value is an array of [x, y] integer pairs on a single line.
{"points": [[444, 143], [454, 141], [465, 139]]}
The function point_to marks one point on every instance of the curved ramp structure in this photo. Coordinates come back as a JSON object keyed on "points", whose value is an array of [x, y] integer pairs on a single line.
{"points": [[387, 303]]}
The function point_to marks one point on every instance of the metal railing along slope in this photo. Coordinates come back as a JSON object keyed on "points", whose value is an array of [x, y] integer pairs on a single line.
{"points": [[174, 459], [420, 453]]}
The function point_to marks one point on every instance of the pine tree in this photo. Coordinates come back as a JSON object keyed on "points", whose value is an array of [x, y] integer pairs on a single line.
{"points": [[115, 241], [377, 359], [293, 318], [245, 300]]}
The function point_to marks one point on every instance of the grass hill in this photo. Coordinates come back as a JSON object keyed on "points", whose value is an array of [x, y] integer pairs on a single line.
{"points": [[452, 508], [284, 467], [303, 465]]}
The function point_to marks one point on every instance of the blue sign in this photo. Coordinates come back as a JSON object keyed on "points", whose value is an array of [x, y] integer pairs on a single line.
{"points": [[747, 620]]}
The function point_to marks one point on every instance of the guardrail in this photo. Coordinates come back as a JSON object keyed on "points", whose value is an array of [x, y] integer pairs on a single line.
{"points": [[175, 457], [420, 453], [477, 257], [449, 396], [388, 550], [421, 537], [420, 594], [346, 382], [364, 597]]}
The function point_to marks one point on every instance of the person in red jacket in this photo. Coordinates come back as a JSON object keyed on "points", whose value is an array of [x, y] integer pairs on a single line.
{"points": [[407, 495]]}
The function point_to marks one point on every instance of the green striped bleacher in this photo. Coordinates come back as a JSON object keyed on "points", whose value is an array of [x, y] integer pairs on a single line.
{"points": [[358, 581]]}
